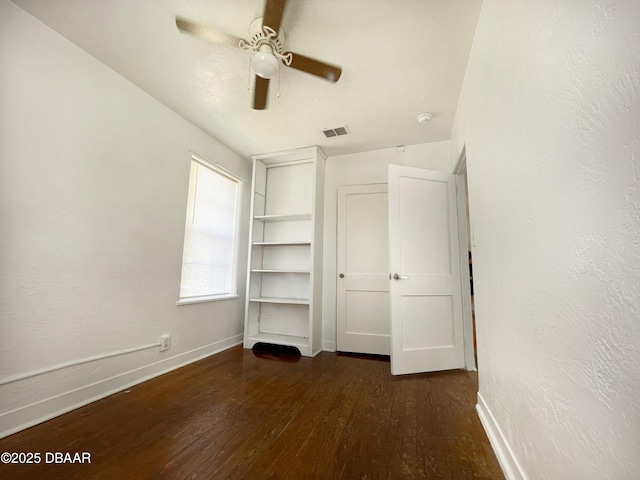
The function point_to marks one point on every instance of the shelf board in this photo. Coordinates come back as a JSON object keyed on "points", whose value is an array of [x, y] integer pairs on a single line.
{"points": [[283, 218], [257, 270], [291, 301], [277, 244]]}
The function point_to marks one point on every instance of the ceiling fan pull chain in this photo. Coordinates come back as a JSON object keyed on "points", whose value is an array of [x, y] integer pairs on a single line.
{"points": [[278, 90]]}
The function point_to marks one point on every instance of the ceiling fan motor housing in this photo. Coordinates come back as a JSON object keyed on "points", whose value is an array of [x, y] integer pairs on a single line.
{"points": [[264, 39]]}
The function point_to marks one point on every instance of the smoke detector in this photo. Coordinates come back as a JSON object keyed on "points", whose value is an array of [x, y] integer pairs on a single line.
{"points": [[424, 117]]}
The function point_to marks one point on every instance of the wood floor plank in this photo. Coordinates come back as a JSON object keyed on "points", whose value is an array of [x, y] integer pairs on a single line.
{"points": [[239, 415]]}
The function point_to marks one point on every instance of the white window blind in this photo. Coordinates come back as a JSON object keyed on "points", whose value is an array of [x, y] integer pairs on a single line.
{"points": [[210, 239]]}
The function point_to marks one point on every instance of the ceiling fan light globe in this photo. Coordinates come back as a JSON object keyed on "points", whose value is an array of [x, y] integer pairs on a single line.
{"points": [[264, 64]]}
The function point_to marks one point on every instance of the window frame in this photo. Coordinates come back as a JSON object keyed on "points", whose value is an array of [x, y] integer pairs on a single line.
{"points": [[202, 161]]}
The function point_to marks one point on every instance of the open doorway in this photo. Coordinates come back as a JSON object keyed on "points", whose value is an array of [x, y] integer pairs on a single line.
{"points": [[466, 257]]}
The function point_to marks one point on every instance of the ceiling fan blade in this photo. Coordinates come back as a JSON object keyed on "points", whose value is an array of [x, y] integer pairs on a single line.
{"points": [[315, 67], [206, 33], [261, 90], [273, 11]]}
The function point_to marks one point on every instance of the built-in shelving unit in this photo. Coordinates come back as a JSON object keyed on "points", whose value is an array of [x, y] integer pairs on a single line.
{"points": [[284, 283]]}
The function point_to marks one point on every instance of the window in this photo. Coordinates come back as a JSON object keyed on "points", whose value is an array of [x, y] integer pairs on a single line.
{"points": [[210, 253]]}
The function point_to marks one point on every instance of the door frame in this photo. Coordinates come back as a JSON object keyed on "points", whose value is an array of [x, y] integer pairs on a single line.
{"points": [[467, 321]]}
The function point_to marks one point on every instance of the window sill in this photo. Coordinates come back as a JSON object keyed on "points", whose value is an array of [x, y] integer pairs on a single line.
{"points": [[189, 301]]}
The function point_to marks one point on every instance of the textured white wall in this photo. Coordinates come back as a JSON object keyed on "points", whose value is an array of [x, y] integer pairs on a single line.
{"points": [[361, 169], [550, 116], [93, 189]]}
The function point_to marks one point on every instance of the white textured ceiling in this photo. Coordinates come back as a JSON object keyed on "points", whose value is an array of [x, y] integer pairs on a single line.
{"points": [[399, 58]]}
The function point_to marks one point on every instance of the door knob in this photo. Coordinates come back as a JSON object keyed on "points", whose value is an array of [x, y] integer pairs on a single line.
{"points": [[341, 275], [399, 277]]}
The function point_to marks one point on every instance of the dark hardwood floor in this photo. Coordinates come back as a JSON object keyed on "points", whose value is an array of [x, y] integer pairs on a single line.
{"points": [[239, 415]]}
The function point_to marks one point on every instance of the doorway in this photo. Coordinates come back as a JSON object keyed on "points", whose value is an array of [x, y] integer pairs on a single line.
{"points": [[466, 257]]}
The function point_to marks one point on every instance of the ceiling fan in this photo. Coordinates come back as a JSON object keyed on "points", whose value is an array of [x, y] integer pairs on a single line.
{"points": [[267, 41]]}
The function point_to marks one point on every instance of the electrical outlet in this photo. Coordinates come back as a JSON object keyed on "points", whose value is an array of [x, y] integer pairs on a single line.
{"points": [[165, 342]]}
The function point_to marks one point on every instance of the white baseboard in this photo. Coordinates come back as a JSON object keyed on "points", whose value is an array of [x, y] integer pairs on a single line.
{"points": [[328, 346], [508, 461], [30, 415]]}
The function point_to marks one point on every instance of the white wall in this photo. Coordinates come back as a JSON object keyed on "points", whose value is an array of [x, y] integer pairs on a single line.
{"points": [[93, 189], [361, 169], [550, 116]]}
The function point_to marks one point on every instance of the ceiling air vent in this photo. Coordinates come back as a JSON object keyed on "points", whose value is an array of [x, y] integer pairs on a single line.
{"points": [[334, 132]]}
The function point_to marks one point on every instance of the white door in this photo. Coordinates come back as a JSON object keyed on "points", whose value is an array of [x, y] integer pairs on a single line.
{"points": [[363, 270], [425, 290]]}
